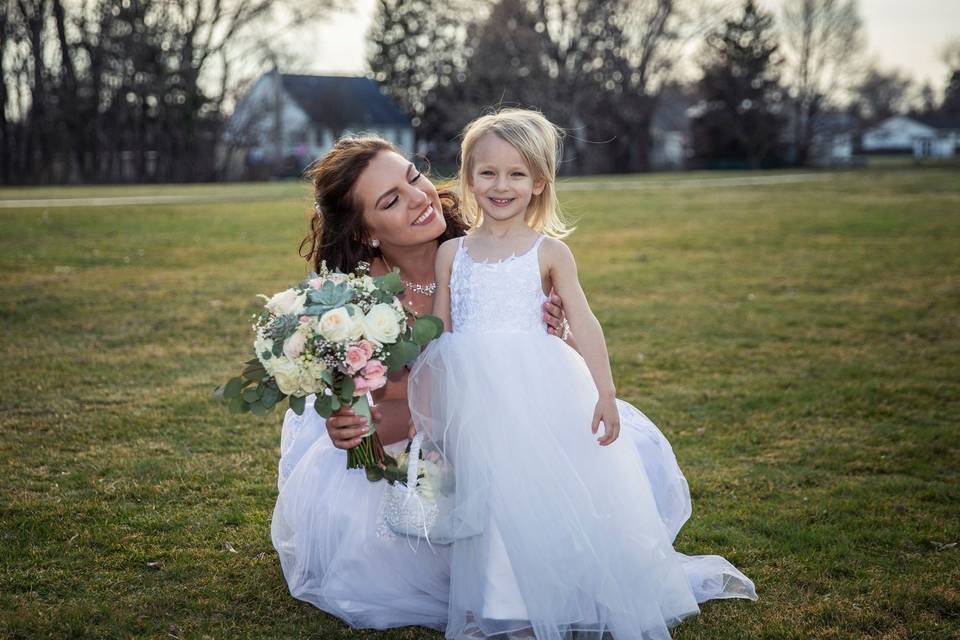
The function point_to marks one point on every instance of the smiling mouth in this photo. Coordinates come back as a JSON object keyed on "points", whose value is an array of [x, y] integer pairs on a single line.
{"points": [[426, 216], [501, 202]]}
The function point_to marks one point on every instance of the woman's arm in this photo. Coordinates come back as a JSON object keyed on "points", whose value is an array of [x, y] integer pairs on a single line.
{"points": [[563, 275]]}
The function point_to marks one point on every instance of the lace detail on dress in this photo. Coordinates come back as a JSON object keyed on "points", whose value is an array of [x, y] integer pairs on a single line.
{"points": [[505, 295]]}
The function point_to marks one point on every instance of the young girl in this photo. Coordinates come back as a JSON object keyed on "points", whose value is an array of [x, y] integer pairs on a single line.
{"points": [[557, 528]]}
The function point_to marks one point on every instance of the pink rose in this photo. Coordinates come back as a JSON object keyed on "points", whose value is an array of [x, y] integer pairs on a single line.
{"points": [[367, 348], [375, 383], [374, 369], [316, 283], [360, 386], [304, 319], [356, 358]]}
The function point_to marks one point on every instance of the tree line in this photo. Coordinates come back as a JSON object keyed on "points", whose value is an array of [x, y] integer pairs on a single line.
{"points": [[127, 90], [602, 68]]}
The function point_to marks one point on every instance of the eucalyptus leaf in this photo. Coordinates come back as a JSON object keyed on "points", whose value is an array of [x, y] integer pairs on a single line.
{"points": [[347, 388], [298, 404], [233, 388], [374, 474], [251, 394], [335, 402], [259, 409], [401, 353], [270, 396], [237, 404], [323, 405], [425, 330]]}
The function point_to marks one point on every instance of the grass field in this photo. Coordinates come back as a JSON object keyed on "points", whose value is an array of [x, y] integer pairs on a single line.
{"points": [[799, 344]]}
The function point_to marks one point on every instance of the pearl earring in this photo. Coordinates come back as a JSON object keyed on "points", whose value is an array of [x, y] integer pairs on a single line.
{"points": [[374, 243]]}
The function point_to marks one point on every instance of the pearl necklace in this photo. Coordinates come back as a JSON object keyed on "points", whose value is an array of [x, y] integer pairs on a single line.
{"points": [[423, 289]]}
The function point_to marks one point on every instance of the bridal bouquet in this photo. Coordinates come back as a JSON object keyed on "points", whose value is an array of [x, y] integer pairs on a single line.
{"points": [[336, 335]]}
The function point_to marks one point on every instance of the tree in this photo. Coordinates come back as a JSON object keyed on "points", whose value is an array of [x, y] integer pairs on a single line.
{"points": [[742, 116], [416, 46], [822, 42], [950, 106], [880, 95]]}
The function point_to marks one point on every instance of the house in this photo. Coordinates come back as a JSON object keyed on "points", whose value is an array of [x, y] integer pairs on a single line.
{"points": [[832, 139], [286, 121], [921, 136]]}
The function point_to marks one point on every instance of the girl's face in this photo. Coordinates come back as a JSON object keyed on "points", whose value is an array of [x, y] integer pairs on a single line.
{"points": [[401, 207], [500, 181]]}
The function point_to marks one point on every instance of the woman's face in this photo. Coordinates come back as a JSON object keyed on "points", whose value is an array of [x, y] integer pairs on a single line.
{"points": [[401, 207]]}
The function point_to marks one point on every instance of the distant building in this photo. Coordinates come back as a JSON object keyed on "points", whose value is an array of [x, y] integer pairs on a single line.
{"points": [[286, 121], [833, 139], [921, 136]]}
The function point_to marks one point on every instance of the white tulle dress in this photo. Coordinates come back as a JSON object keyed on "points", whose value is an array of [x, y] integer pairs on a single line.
{"points": [[557, 534]]}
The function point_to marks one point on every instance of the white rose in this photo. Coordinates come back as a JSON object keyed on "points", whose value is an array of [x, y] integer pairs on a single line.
{"points": [[260, 345], [287, 375], [382, 324], [356, 322], [336, 325], [367, 284], [310, 380], [288, 301]]}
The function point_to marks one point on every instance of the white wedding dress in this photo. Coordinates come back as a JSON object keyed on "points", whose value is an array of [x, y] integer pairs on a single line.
{"points": [[555, 533], [337, 553]]}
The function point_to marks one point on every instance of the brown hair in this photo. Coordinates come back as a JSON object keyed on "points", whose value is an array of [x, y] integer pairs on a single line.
{"points": [[337, 235]]}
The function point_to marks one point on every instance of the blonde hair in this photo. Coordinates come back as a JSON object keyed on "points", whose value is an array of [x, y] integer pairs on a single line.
{"points": [[539, 143]]}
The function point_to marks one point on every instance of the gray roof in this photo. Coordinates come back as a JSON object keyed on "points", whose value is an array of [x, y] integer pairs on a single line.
{"points": [[341, 101]]}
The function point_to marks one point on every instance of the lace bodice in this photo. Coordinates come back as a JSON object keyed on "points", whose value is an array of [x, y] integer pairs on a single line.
{"points": [[505, 295]]}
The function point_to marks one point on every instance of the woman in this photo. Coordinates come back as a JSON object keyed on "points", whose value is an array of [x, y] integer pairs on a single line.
{"points": [[374, 206]]}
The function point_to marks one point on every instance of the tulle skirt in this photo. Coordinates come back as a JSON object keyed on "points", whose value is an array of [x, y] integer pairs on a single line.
{"points": [[335, 549], [555, 533]]}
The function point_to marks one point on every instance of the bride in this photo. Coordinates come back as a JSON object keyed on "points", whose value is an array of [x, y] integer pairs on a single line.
{"points": [[373, 205]]}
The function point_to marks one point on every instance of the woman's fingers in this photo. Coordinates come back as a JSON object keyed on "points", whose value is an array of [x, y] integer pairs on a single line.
{"points": [[595, 424]]}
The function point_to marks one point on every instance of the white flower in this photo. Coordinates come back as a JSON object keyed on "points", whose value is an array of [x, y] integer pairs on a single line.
{"points": [[260, 345], [356, 322], [382, 323], [310, 376], [289, 301], [367, 284], [336, 325], [337, 278], [287, 374]]}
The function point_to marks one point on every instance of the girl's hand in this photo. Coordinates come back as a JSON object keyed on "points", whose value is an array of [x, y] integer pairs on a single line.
{"points": [[553, 315], [411, 430], [606, 411], [346, 429]]}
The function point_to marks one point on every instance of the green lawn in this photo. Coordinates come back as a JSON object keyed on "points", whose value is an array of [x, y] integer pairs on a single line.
{"points": [[799, 344]]}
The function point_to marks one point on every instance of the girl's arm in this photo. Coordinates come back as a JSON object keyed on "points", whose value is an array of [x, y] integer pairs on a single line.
{"points": [[441, 299], [563, 275]]}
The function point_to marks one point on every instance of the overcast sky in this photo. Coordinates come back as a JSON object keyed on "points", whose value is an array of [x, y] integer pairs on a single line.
{"points": [[902, 34]]}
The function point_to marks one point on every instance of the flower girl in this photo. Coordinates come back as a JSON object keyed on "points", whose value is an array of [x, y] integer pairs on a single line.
{"points": [[557, 528]]}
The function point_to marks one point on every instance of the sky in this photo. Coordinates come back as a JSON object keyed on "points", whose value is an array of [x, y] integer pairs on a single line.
{"points": [[901, 34]]}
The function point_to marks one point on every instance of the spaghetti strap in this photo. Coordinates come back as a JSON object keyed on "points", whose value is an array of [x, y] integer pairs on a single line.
{"points": [[537, 243]]}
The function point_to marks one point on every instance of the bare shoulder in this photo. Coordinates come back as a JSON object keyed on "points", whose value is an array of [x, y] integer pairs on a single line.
{"points": [[556, 252], [446, 252]]}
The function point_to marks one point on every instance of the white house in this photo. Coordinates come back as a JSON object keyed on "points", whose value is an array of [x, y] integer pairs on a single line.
{"points": [[286, 121], [924, 137]]}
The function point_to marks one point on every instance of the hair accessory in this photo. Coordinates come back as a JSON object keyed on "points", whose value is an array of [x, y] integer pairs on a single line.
{"points": [[316, 207]]}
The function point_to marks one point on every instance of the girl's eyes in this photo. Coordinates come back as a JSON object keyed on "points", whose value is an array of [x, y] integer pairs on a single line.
{"points": [[396, 199], [515, 173]]}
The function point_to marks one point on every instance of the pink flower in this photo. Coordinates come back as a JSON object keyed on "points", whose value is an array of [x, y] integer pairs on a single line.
{"points": [[367, 348], [316, 283], [304, 319], [360, 386], [375, 383], [374, 369], [356, 358]]}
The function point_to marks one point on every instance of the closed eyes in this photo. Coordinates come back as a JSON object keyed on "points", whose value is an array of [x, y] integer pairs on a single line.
{"points": [[396, 199]]}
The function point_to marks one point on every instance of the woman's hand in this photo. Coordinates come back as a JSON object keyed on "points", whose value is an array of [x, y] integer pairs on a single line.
{"points": [[346, 428], [553, 314], [606, 411]]}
